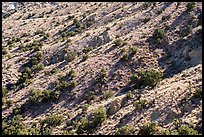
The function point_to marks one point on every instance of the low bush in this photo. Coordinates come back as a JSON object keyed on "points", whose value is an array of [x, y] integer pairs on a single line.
{"points": [[102, 76], [147, 78], [190, 6], [99, 116], [84, 57], [119, 42], [198, 93], [126, 130], [85, 107], [90, 96], [140, 104], [87, 49], [52, 120], [145, 20], [70, 56], [147, 129], [107, 94], [185, 130]]}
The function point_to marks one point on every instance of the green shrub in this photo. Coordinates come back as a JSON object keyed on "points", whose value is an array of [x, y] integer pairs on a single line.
{"points": [[158, 33], [87, 49], [70, 56], [198, 93], [145, 20], [15, 127], [52, 120], [102, 76], [190, 6], [140, 104], [124, 58], [133, 50], [147, 129], [54, 96], [38, 67], [147, 78], [73, 84], [119, 42], [126, 130], [166, 17], [90, 96], [185, 130], [107, 94], [63, 34], [85, 107], [99, 116], [186, 30], [146, 5], [83, 126], [159, 12], [84, 57], [71, 33], [35, 96], [4, 91], [4, 51], [129, 95]]}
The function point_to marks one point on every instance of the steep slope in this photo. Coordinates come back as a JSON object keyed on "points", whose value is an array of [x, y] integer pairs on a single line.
{"points": [[61, 58]]}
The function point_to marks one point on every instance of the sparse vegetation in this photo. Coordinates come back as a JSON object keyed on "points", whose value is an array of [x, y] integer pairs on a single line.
{"points": [[190, 6], [147, 129], [146, 78], [107, 94], [126, 130]]}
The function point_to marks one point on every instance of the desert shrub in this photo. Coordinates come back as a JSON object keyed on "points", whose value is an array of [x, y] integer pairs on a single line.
{"points": [[70, 56], [166, 17], [140, 104], [133, 50], [53, 71], [102, 76], [4, 51], [99, 116], [85, 107], [77, 23], [119, 42], [190, 6], [83, 126], [9, 103], [198, 93], [38, 67], [54, 96], [63, 34], [84, 57], [124, 58], [35, 96], [146, 78], [159, 12], [126, 130], [145, 20], [107, 94], [25, 74], [147, 129], [185, 130], [28, 82], [34, 130], [15, 127], [107, 28], [146, 5], [4, 91], [186, 30], [52, 120], [72, 74], [73, 84], [167, 27], [90, 96], [158, 33], [71, 33], [87, 49], [129, 95]]}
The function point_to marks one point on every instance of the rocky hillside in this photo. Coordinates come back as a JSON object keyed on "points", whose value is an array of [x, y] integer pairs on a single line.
{"points": [[112, 68]]}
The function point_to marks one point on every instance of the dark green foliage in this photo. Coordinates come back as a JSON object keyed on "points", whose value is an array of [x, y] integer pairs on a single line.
{"points": [[99, 116], [132, 50], [159, 12], [15, 127], [90, 96], [190, 6], [83, 126], [158, 33], [126, 130], [4, 91], [198, 93], [119, 42], [4, 51], [146, 78], [146, 5], [166, 17], [185, 130], [85, 107], [87, 49], [140, 104], [71, 33], [129, 95], [186, 30], [52, 121], [84, 57], [101, 77], [124, 58], [63, 34], [146, 19], [167, 27], [70, 56], [107, 94], [38, 67], [147, 129]]}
